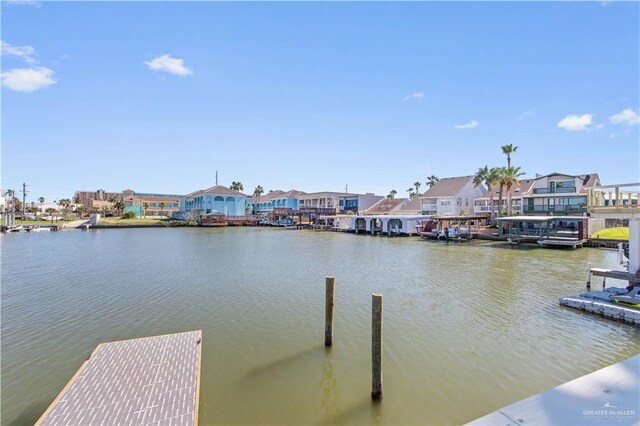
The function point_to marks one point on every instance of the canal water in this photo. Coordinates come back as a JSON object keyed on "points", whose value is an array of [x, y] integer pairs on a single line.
{"points": [[468, 327]]}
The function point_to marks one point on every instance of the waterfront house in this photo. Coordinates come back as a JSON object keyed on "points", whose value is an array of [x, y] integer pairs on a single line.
{"points": [[482, 205], [386, 206], [451, 196], [282, 201], [217, 198], [152, 204], [559, 194], [339, 202]]}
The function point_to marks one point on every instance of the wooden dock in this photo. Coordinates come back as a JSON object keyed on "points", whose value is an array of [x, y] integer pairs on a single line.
{"points": [[608, 396], [148, 381]]}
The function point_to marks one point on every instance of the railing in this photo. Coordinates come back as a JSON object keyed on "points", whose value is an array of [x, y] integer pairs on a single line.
{"points": [[556, 208], [613, 198], [429, 207], [549, 190]]}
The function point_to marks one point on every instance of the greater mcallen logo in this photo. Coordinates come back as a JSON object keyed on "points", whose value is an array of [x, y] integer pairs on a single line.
{"points": [[609, 412]]}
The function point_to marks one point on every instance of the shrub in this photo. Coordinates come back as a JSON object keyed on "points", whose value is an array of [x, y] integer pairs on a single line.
{"points": [[128, 215]]}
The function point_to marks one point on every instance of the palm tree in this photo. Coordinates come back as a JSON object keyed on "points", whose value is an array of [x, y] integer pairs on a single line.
{"points": [[257, 192], [508, 150], [417, 185], [119, 206], [162, 204], [392, 194], [146, 206], [411, 193], [490, 178], [432, 180], [237, 186], [41, 199], [500, 181], [510, 177]]}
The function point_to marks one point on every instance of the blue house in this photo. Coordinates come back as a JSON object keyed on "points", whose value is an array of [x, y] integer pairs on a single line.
{"points": [[276, 200], [217, 199]]}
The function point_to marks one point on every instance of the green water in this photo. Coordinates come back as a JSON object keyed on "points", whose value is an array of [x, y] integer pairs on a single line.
{"points": [[468, 327]]}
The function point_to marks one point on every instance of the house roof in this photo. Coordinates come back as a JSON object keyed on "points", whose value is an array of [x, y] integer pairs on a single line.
{"points": [[447, 187], [524, 187], [217, 190], [412, 206], [386, 205], [328, 194]]}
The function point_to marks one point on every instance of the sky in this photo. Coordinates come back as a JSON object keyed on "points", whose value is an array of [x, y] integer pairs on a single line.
{"points": [[158, 96]]}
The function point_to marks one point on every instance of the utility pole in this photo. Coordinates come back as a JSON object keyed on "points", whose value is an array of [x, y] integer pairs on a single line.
{"points": [[216, 178], [346, 188], [24, 197]]}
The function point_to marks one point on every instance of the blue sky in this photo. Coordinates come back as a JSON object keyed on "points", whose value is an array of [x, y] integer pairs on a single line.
{"points": [[158, 96]]}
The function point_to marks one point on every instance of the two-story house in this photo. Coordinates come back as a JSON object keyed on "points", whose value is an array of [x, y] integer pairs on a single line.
{"points": [[559, 194], [482, 205], [451, 196]]}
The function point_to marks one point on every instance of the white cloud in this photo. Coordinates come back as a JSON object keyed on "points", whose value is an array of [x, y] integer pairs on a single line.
{"points": [[28, 79], [628, 117], [469, 125], [24, 52], [524, 115], [168, 64], [414, 96], [574, 122]]}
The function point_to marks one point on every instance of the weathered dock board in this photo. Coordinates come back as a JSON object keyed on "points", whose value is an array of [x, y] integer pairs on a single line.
{"points": [[148, 381], [607, 396]]}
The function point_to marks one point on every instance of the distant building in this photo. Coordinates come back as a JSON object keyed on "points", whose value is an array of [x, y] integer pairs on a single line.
{"points": [[280, 200], [451, 196], [217, 199], [86, 197], [152, 204], [340, 202], [386, 206]]}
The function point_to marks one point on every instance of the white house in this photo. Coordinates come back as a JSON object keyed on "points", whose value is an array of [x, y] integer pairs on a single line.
{"points": [[451, 196]]}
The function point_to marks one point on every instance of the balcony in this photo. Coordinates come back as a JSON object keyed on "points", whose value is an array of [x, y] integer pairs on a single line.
{"points": [[555, 190], [429, 207], [576, 208], [615, 201]]}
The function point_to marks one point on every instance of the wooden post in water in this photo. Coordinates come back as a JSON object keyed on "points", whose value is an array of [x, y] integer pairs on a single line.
{"points": [[588, 276], [328, 321], [376, 346]]}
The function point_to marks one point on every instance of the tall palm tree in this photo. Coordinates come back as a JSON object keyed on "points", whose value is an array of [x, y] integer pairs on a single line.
{"points": [[41, 199], [481, 177], [432, 180], [257, 192], [392, 194], [162, 204], [237, 186], [508, 150], [411, 193], [500, 181], [417, 185], [491, 180], [146, 206], [510, 177]]}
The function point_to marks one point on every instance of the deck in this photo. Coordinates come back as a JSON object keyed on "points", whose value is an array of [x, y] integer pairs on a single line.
{"points": [[607, 396], [148, 381]]}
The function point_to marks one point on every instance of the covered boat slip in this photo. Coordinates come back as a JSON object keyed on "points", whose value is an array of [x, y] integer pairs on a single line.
{"points": [[147, 381], [452, 227], [556, 231]]}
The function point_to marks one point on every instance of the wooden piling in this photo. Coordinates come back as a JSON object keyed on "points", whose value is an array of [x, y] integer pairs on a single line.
{"points": [[376, 346], [588, 276], [329, 302]]}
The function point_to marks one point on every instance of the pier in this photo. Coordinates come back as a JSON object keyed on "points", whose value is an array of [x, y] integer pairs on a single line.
{"points": [[138, 381], [607, 396]]}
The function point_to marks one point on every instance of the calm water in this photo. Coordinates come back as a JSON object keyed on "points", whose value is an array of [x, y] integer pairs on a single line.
{"points": [[468, 327]]}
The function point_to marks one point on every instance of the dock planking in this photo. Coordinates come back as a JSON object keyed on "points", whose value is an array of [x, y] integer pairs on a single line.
{"points": [[147, 381]]}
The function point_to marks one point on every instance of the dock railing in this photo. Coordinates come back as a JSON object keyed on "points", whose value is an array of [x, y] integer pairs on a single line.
{"points": [[614, 198]]}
